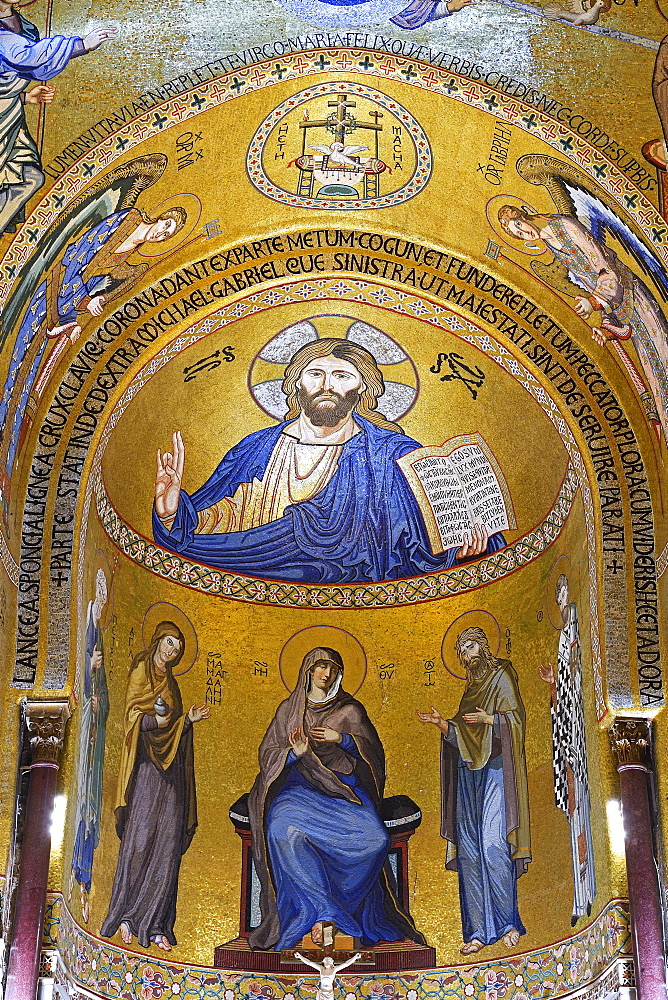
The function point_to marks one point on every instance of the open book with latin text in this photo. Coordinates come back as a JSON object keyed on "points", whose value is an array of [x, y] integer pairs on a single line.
{"points": [[458, 485]]}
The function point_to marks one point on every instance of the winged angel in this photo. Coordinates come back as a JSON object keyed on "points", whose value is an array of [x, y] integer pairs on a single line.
{"points": [[586, 268], [80, 265]]}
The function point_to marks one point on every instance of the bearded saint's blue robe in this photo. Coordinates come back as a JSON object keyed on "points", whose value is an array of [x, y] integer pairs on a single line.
{"points": [[71, 293], [364, 525]]}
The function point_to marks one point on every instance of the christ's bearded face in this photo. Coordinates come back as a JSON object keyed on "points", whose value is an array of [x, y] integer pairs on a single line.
{"points": [[328, 389], [471, 657]]}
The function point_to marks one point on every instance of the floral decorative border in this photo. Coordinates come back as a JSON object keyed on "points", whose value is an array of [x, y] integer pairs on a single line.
{"points": [[266, 186], [560, 969]]}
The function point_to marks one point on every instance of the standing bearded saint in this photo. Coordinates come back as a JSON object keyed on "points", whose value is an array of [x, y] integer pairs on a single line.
{"points": [[484, 795], [318, 499], [319, 843], [569, 751]]}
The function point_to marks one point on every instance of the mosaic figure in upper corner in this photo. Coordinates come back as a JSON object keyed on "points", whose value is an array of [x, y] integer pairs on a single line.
{"points": [[586, 268], [93, 269], [93, 713], [342, 14], [25, 60], [336, 492], [569, 750], [156, 806], [484, 794]]}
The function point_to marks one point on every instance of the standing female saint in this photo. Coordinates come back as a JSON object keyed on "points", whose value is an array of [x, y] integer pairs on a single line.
{"points": [[156, 808]]}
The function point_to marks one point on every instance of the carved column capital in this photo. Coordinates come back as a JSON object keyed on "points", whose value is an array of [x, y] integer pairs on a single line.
{"points": [[45, 720], [630, 743]]}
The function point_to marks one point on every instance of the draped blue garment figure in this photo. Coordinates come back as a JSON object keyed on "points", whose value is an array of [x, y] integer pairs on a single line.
{"points": [[417, 13], [340, 15], [487, 872], [326, 857], [74, 289], [94, 711], [485, 804], [319, 844], [364, 525]]}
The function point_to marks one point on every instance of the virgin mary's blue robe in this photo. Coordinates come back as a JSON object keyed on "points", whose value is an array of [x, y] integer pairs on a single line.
{"points": [[327, 855], [365, 525]]}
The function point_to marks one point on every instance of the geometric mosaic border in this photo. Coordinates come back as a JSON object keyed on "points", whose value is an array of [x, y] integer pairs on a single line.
{"points": [[365, 62], [557, 970]]}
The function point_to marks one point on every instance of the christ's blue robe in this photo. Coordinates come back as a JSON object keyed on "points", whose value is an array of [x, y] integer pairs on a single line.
{"points": [[326, 857], [73, 290], [364, 525], [417, 13]]}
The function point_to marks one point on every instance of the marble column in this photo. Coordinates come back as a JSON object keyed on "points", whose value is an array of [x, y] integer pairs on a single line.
{"points": [[45, 721], [630, 742]]}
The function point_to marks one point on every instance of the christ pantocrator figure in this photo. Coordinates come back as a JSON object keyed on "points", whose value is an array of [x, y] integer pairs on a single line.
{"points": [[319, 498]]}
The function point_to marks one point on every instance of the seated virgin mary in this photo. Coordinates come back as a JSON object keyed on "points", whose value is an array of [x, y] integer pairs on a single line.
{"points": [[319, 844]]}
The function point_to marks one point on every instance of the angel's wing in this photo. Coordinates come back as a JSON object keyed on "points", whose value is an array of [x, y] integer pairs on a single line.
{"points": [[556, 276], [323, 149], [602, 221], [112, 192], [348, 150], [576, 194]]}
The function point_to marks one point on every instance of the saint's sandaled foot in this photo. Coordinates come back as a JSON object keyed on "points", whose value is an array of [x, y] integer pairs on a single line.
{"points": [[126, 933], [471, 947], [511, 938], [161, 941]]}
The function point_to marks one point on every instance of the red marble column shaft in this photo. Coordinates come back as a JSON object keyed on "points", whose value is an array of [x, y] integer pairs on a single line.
{"points": [[643, 882], [630, 740], [30, 901]]}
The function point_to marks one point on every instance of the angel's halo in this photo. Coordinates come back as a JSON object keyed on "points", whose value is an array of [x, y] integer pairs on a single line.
{"points": [[491, 210]]}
